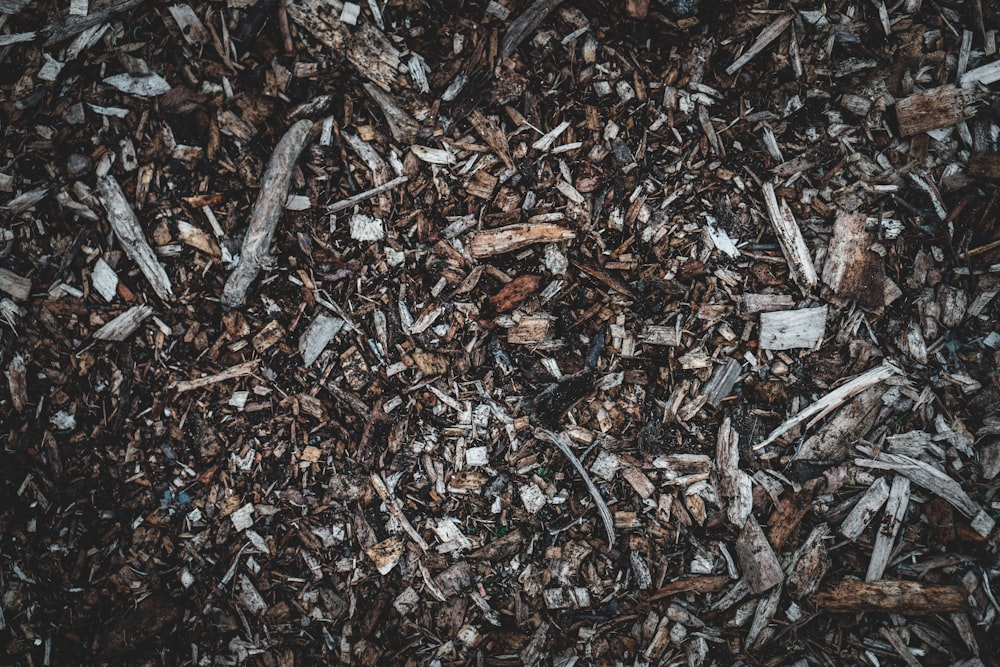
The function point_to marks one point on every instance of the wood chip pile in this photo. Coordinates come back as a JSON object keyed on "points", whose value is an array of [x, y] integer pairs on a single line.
{"points": [[444, 332]]}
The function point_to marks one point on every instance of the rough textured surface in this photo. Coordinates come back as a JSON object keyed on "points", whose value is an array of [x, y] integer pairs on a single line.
{"points": [[568, 346]]}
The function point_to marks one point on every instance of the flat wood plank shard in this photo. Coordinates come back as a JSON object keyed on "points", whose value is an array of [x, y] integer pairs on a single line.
{"points": [[130, 235], [790, 239]]}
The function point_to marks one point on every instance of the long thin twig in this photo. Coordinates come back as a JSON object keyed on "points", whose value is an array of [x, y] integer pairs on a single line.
{"points": [[562, 442], [367, 194]]}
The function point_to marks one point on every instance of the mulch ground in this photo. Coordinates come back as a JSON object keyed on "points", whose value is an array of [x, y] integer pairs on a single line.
{"points": [[453, 332]]}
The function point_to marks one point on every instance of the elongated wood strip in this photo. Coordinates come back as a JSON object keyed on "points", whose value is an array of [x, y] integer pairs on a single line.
{"points": [[246, 368], [735, 485], [885, 538], [768, 35], [562, 442], [367, 194], [131, 236], [938, 483], [256, 250], [125, 324], [833, 400], [490, 242], [901, 597], [790, 239], [700, 584]]}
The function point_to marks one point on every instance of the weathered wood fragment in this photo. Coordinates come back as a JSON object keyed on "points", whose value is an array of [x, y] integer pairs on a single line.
{"points": [[852, 269], [898, 597], [938, 107], [758, 561], [835, 440], [18, 287], [790, 239], [937, 482], [240, 370], [125, 324], [865, 509], [17, 381], [491, 242], [791, 329], [809, 564], [892, 521], [402, 125], [832, 400], [255, 253], [131, 236], [768, 35], [735, 486], [367, 194]]}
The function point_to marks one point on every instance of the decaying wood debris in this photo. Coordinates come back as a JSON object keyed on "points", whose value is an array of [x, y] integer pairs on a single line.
{"points": [[498, 333]]}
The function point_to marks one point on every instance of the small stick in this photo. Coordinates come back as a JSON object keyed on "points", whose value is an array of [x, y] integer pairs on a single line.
{"points": [[768, 35], [367, 194], [246, 368], [255, 253], [560, 441]]}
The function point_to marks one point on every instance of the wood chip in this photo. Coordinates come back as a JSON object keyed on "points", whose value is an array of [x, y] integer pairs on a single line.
{"points": [[131, 235]]}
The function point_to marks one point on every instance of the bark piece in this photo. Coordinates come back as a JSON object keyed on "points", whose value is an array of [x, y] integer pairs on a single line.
{"points": [[938, 107], [758, 561], [852, 270], [256, 249], [492, 242], [493, 135], [371, 53], [131, 236], [899, 597]]}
